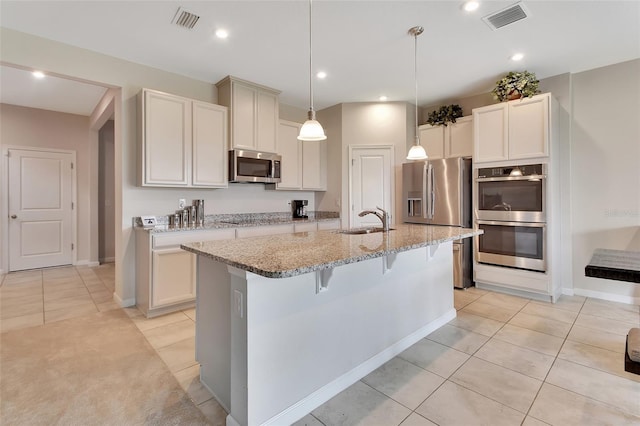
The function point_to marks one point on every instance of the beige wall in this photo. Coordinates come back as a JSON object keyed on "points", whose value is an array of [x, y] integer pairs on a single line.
{"points": [[362, 123], [605, 180], [131, 200], [38, 128]]}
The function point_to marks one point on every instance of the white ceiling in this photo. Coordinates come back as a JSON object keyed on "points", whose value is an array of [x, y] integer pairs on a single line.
{"points": [[362, 45]]}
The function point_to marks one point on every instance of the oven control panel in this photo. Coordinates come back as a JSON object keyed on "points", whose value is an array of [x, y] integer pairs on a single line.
{"points": [[511, 171]]}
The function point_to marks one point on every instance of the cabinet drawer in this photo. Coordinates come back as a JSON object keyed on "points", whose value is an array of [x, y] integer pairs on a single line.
{"points": [[174, 239], [305, 227], [326, 225], [264, 230]]}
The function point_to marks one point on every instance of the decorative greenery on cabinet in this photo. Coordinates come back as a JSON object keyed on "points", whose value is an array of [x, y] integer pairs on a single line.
{"points": [[516, 85], [444, 115]]}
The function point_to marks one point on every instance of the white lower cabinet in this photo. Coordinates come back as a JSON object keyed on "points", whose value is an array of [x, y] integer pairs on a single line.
{"points": [[328, 225], [257, 231], [174, 273], [166, 274]]}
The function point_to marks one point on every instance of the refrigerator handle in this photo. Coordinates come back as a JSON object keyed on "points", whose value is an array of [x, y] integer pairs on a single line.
{"points": [[433, 192], [425, 190]]}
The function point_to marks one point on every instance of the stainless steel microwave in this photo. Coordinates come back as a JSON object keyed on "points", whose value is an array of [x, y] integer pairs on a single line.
{"points": [[253, 166]]}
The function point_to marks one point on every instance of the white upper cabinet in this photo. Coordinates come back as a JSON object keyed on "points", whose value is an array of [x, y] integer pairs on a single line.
{"points": [[290, 149], [452, 140], [166, 139], [432, 139], [183, 143], [314, 165], [304, 163], [254, 114], [459, 138], [210, 143], [512, 130], [529, 127]]}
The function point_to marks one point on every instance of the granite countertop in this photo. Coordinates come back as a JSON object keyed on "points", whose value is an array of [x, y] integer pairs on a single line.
{"points": [[620, 265], [287, 255], [241, 220]]}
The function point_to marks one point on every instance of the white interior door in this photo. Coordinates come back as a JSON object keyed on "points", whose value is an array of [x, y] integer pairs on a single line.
{"points": [[371, 183], [40, 209]]}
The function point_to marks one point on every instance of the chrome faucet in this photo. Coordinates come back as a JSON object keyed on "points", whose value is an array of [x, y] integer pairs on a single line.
{"points": [[382, 215]]}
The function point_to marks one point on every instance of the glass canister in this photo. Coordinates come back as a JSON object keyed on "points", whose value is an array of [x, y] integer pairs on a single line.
{"points": [[199, 204]]}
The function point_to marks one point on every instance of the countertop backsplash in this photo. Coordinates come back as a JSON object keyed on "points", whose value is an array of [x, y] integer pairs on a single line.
{"points": [[212, 221]]}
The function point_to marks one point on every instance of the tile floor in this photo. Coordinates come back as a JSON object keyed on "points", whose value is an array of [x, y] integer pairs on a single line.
{"points": [[503, 360]]}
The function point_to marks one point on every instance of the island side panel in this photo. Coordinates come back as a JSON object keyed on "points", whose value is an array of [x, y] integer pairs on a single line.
{"points": [[304, 347], [213, 328]]}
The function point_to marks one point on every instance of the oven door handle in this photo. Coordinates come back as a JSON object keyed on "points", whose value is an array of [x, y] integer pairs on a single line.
{"points": [[523, 224], [511, 178]]}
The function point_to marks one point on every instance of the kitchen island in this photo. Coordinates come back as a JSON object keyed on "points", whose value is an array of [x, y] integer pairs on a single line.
{"points": [[285, 322]]}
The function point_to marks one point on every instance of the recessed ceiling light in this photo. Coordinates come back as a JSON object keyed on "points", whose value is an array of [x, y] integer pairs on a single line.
{"points": [[321, 75], [383, 98], [222, 33], [38, 74], [517, 57], [470, 6]]}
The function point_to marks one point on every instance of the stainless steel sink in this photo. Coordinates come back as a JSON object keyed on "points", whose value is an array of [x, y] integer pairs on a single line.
{"points": [[358, 231]]}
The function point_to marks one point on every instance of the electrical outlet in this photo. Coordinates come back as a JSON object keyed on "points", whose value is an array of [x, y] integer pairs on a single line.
{"points": [[237, 299], [181, 203]]}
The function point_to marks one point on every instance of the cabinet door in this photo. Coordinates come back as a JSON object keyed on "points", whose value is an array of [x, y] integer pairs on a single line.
{"points": [[166, 139], [256, 231], [267, 121], [490, 133], [459, 138], [290, 148], [314, 165], [243, 116], [174, 277], [432, 139], [209, 157], [529, 127], [325, 225], [305, 227]]}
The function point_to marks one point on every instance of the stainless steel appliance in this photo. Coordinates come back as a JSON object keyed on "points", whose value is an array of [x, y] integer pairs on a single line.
{"points": [[253, 166], [438, 192], [511, 210], [514, 193], [300, 209]]}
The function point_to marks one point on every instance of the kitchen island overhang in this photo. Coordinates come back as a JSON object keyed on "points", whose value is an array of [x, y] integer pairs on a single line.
{"points": [[285, 322]]}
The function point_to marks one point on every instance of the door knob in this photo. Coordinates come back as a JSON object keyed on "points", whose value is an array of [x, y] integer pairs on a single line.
{"points": [[13, 216]]}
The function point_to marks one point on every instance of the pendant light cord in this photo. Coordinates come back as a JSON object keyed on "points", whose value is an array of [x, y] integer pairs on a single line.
{"points": [[310, 57], [415, 75]]}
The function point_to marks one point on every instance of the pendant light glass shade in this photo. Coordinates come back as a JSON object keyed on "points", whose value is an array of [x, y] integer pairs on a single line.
{"points": [[417, 152], [311, 130]]}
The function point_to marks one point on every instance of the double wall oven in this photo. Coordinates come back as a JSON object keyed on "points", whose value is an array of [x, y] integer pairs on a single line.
{"points": [[511, 210]]}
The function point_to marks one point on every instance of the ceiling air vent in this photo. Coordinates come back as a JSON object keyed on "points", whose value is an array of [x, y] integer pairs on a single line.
{"points": [[185, 19], [504, 17]]}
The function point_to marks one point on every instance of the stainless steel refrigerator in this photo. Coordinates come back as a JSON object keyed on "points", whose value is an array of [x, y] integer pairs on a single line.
{"points": [[438, 192]]}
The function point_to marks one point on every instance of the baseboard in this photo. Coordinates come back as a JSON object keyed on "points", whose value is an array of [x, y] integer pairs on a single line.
{"points": [[88, 263], [126, 303], [568, 292], [630, 300], [107, 260], [514, 292], [325, 393]]}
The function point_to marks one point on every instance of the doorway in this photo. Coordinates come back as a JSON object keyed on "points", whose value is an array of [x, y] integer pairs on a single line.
{"points": [[106, 193], [41, 208], [370, 182]]}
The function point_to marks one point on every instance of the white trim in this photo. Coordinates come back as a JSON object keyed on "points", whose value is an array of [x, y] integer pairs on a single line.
{"points": [[126, 303], [392, 183], [607, 296], [107, 260], [4, 196], [328, 391], [515, 292], [567, 291], [87, 263]]}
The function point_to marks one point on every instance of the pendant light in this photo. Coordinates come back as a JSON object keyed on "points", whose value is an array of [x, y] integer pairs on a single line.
{"points": [[416, 152], [311, 130]]}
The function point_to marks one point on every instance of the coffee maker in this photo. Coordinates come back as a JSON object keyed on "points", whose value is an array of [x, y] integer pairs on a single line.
{"points": [[300, 209]]}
